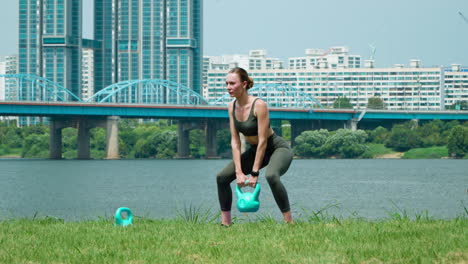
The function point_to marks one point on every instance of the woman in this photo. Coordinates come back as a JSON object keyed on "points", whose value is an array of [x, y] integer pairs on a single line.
{"points": [[249, 115]]}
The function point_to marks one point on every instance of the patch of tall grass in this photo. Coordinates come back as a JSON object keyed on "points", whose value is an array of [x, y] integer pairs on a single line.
{"points": [[426, 153]]}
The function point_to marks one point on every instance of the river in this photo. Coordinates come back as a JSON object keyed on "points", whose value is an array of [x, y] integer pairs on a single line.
{"points": [[89, 189]]}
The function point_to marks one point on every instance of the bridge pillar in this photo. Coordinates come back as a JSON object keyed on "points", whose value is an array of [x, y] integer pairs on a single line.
{"points": [[83, 139], [352, 124], [183, 139], [55, 139], [112, 136], [211, 127]]}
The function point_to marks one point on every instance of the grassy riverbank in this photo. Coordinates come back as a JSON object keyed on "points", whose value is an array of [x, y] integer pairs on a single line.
{"points": [[396, 240]]}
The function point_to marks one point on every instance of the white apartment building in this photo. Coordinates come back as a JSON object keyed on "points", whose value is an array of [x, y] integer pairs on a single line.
{"points": [[2, 80], [455, 84], [11, 67], [8, 65], [87, 73], [333, 58], [410, 88], [256, 60]]}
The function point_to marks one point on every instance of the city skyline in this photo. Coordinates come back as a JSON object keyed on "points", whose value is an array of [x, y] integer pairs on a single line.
{"points": [[432, 31]]}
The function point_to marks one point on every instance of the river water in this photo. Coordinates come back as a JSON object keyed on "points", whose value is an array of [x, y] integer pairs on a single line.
{"points": [[89, 189]]}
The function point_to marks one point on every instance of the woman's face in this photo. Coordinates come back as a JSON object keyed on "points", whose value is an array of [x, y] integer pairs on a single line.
{"points": [[235, 86]]}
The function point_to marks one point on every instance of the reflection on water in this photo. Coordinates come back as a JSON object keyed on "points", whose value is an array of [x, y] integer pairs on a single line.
{"points": [[77, 189]]}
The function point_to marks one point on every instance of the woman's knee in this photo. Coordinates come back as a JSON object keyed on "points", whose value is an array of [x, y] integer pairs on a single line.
{"points": [[223, 178], [272, 177]]}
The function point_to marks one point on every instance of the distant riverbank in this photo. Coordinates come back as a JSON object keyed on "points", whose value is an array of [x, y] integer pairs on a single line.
{"points": [[378, 151]]}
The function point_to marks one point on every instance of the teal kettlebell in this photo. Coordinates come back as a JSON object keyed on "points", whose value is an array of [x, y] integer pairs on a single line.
{"points": [[248, 202], [119, 221]]}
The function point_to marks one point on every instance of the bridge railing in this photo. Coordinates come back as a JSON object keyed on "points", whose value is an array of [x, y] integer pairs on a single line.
{"points": [[277, 95], [29, 87], [148, 91]]}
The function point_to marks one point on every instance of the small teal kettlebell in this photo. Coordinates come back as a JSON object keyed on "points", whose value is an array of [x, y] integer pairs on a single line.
{"points": [[248, 202], [119, 221]]}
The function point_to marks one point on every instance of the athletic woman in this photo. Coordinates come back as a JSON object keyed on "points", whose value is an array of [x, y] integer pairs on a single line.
{"points": [[249, 115]]}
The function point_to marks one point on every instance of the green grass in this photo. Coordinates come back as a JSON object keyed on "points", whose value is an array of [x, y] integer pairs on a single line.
{"points": [[426, 153], [378, 150], [10, 152], [181, 241]]}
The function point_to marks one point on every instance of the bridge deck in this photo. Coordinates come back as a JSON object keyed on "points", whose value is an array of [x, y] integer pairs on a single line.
{"points": [[22, 108]]}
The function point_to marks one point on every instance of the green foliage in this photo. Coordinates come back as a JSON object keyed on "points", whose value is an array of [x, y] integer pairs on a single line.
{"points": [[375, 103], [375, 150], [98, 139], [458, 141], [223, 138], [342, 103], [343, 143], [69, 138], [197, 143], [426, 153], [36, 146], [159, 140], [286, 130], [156, 144], [403, 138], [378, 135], [346, 143], [310, 143]]}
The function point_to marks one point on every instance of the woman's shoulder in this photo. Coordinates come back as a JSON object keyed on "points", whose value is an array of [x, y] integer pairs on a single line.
{"points": [[231, 104], [259, 102]]}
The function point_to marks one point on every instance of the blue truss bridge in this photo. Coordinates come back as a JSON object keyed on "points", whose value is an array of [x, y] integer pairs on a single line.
{"points": [[29, 95]]}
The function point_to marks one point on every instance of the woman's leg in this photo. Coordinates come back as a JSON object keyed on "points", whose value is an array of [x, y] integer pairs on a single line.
{"points": [[279, 163], [224, 179]]}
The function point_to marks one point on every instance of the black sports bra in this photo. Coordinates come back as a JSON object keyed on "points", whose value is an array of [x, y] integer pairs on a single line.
{"points": [[250, 126]]}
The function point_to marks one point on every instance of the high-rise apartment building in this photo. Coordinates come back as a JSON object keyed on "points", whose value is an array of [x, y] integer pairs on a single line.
{"points": [[133, 39], [149, 39], [87, 73], [50, 38]]}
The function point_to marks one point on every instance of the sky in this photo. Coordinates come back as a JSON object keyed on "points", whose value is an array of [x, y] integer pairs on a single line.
{"points": [[432, 31]]}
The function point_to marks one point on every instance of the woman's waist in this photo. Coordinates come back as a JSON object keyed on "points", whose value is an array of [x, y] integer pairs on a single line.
{"points": [[273, 142], [253, 140]]}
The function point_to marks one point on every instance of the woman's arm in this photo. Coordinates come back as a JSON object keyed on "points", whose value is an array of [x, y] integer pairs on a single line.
{"points": [[263, 118], [236, 148]]}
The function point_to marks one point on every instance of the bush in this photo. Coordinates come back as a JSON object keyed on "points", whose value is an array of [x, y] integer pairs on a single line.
{"points": [[309, 143], [458, 142], [403, 138], [346, 143], [378, 135]]}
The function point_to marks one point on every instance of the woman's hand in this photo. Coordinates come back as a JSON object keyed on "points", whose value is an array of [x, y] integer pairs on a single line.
{"points": [[252, 181], [241, 179]]}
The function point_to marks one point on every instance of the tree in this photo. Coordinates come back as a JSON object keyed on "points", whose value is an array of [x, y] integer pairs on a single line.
{"points": [[346, 143], [309, 143], [375, 103], [342, 103], [403, 138], [197, 143], [36, 146], [378, 135], [458, 142]]}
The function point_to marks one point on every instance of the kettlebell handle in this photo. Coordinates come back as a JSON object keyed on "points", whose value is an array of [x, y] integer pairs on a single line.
{"points": [[256, 190]]}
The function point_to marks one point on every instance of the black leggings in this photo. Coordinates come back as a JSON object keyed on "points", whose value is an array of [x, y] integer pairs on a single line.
{"points": [[278, 157]]}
